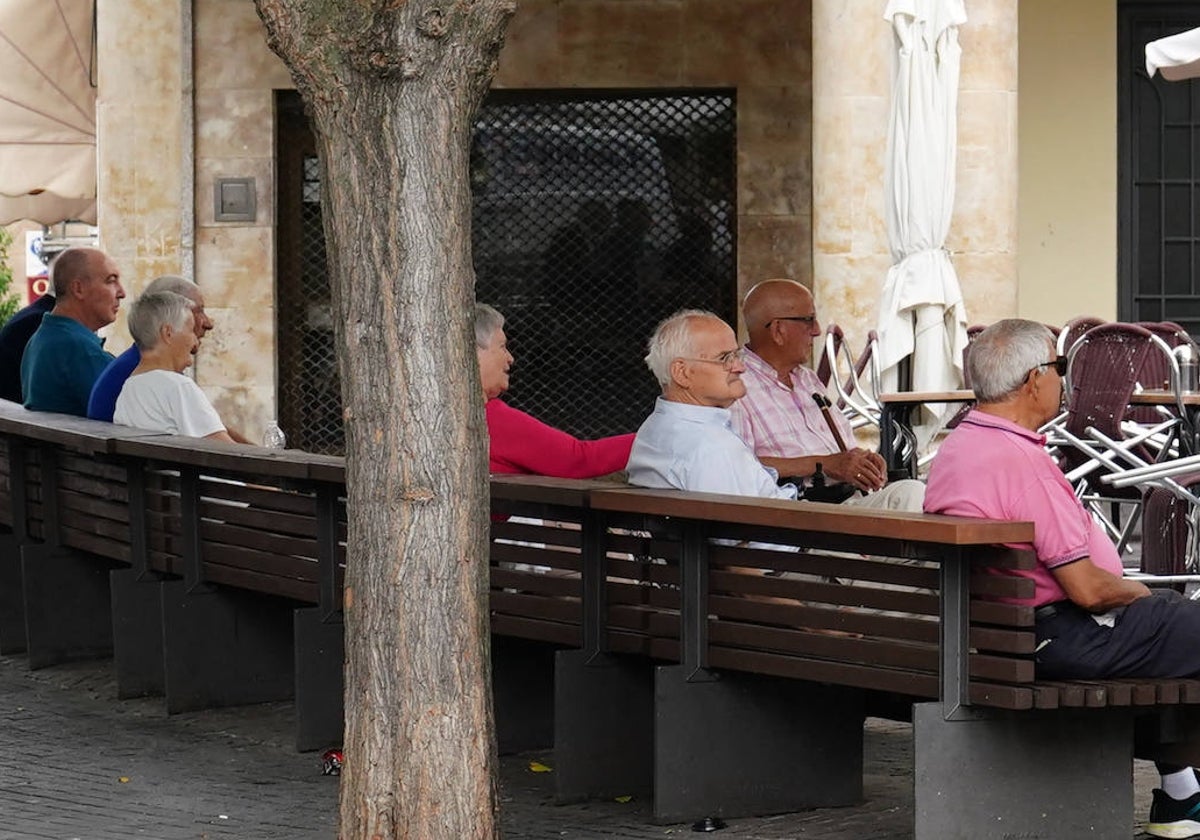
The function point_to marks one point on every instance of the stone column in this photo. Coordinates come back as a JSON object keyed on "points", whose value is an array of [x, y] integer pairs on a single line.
{"points": [[852, 46], [140, 131]]}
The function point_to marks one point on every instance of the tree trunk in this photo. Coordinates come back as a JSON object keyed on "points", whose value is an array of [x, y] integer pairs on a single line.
{"points": [[391, 87]]}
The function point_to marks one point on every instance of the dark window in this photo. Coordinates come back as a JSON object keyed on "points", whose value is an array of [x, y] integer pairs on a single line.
{"points": [[595, 215], [1159, 180]]}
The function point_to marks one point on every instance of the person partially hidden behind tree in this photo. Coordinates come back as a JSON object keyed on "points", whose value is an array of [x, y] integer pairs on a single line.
{"points": [[64, 356], [1091, 621], [14, 338], [520, 444]]}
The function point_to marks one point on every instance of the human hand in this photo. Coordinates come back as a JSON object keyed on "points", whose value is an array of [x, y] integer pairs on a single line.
{"points": [[861, 468]]}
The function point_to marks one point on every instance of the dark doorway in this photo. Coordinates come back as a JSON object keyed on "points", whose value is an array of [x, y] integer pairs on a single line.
{"points": [[595, 214]]}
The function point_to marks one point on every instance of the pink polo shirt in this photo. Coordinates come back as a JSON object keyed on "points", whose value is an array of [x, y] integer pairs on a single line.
{"points": [[781, 422], [994, 469]]}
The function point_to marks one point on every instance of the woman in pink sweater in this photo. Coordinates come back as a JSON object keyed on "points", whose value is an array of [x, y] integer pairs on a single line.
{"points": [[521, 444]]}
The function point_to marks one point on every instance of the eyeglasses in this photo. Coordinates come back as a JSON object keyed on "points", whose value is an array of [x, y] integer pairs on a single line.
{"points": [[726, 360], [1059, 363], [804, 319]]}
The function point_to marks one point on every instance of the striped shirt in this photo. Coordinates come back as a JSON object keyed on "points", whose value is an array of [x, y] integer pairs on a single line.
{"points": [[781, 422]]}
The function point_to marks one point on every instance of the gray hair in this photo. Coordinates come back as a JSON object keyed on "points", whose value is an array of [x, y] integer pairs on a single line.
{"points": [[487, 321], [1002, 355], [672, 339], [154, 310], [173, 283]]}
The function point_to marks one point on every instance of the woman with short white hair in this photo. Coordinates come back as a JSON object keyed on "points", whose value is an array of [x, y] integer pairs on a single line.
{"points": [[157, 396]]}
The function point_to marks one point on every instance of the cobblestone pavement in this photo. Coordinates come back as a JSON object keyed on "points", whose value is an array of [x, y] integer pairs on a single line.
{"points": [[82, 764]]}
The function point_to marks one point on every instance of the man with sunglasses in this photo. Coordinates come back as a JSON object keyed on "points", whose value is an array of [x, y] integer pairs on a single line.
{"points": [[1091, 621], [779, 419], [687, 442]]}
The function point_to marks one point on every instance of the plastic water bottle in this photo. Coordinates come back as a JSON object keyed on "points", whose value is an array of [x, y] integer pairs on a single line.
{"points": [[273, 436]]}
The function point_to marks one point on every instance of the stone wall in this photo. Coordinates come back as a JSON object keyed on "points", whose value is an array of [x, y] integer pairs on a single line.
{"points": [[759, 47], [762, 48]]}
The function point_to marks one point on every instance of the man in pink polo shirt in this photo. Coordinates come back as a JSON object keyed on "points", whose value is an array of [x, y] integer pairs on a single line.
{"points": [[1091, 621]]}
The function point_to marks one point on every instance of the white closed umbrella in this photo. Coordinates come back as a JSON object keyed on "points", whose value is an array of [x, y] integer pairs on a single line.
{"points": [[1177, 56], [922, 317], [47, 111]]}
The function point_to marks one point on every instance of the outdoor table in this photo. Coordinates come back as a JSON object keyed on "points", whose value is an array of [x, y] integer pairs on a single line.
{"points": [[1190, 434], [895, 417]]}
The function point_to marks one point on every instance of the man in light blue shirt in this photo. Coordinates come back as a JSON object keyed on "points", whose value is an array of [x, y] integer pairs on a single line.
{"points": [[688, 442]]}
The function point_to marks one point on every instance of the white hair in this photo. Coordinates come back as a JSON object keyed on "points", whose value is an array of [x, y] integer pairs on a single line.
{"points": [[672, 339], [487, 321], [1001, 357], [151, 312], [173, 283]]}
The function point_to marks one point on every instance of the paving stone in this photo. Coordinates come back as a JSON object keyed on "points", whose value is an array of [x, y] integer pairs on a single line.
{"points": [[83, 764]]}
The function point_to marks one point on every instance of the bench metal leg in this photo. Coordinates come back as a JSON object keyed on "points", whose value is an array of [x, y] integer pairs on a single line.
{"points": [[12, 596], [1033, 775], [747, 745], [523, 693], [603, 726], [68, 608], [137, 634], [225, 647], [320, 657]]}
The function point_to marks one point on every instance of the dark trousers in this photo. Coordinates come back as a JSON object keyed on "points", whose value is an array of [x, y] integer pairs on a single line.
{"points": [[1157, 636]]}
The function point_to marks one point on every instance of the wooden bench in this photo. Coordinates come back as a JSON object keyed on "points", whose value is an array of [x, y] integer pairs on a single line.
{"points": [[780, 654], [675, 643], [211, 573]]}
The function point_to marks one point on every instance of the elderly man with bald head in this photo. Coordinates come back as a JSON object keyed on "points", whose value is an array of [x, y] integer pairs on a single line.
{"points": [[64, 356], [779, 419]]}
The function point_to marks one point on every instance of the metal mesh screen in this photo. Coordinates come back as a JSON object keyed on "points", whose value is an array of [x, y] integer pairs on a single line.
{"points": [[595, 215]]}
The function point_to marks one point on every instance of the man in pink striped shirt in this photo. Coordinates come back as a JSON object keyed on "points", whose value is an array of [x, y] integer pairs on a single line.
{"points": [[778, 417]]}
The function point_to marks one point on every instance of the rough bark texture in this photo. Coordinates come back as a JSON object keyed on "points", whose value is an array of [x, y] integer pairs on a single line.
{"points": [[391, 87]]}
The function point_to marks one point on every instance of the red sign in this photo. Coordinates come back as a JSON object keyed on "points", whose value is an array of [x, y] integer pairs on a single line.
{"points": [[37, 286]]}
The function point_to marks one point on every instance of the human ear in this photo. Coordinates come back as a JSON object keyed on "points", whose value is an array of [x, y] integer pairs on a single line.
{"points": [[679, 373]]}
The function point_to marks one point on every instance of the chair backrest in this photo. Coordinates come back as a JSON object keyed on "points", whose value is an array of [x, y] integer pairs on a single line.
{"points": [[1073, 329], [973, 332], [1157, 372], [833, 346], [1107, 363]]}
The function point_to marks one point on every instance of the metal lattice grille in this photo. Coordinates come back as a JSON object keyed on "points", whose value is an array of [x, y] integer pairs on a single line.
{"points": [[1160, 151], [595, 215]]}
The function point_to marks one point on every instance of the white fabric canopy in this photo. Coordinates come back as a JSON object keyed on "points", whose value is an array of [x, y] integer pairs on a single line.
{"points": [[47, 111], [1177, 56], [922, 316]]}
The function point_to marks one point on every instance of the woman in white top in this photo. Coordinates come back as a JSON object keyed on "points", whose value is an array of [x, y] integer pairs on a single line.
{"points": [[157, 396]]}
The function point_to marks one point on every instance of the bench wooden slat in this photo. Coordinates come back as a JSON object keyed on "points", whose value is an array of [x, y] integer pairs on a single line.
{"points": [[1009, 615], [751, 584], [950, 530], [538, 630], [525, 532], [245, 578], [817, 670], [822, 564], [870, 624], [1002, 586]]}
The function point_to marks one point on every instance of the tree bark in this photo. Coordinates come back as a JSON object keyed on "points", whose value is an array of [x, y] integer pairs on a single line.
{"points": [[391, 87]]}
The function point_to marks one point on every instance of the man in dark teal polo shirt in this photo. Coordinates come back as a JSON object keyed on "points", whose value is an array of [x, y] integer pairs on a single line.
{"points": [[65, 355]]}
